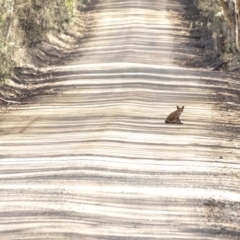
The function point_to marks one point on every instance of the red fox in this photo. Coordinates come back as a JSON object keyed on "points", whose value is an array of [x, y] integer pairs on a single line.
{"points": [[174, 116]]}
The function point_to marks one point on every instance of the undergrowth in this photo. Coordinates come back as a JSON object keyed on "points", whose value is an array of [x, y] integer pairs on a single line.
{"points": [[24, 24], [220, 31]]}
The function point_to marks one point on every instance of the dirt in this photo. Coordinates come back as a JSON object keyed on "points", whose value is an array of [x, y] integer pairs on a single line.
{"points": [[96, 160]]}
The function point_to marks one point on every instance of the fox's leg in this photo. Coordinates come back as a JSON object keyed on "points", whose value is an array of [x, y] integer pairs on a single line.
{"points": [[179, 121]]}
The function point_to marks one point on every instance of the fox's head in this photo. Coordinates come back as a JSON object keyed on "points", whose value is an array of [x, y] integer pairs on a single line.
{"points": [[180, 110]]}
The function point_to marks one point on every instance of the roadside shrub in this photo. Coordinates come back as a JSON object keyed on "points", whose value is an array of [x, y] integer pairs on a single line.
{"points": [[6, 63], [38, 17], [25, 23], [212, 11], [217, 25]]}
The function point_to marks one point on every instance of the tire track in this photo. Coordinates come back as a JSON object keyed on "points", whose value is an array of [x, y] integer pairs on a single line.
{"points": [[99, 162]]}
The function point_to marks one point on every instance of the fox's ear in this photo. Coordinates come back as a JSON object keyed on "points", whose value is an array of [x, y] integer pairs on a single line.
{"points": [[182, 107], [177, 107]]}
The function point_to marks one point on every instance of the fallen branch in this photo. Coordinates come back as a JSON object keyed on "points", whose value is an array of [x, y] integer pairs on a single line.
{"points": [[9, 101]]}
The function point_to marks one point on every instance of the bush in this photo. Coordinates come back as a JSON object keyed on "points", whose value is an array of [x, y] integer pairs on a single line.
{"points": [[38, 17], [217, 25], [6, 63], [212, 11], [25, 23]]}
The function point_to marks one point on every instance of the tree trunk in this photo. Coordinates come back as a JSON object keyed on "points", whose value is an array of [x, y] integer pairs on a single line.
{"points": [[236, 27], [238, 5], [9, 24], [227, 14], [231, 13]]}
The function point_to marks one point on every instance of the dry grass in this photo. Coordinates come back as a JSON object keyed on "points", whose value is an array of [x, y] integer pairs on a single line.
{"points": [[26, 24]]}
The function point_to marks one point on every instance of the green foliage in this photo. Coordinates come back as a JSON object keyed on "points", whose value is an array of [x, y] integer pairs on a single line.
{"points": [[69, 8], [215, 22], [33, 19], [212, 11], [210, 8], [5, 12], [6, 63], [228, 47], [36, 18]]}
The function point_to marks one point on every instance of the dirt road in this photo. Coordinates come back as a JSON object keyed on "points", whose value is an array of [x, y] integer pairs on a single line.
{"points": [[96, 161]]}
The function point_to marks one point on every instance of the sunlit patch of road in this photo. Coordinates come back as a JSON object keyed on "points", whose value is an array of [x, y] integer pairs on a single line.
{"points": [[97, 161]]}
